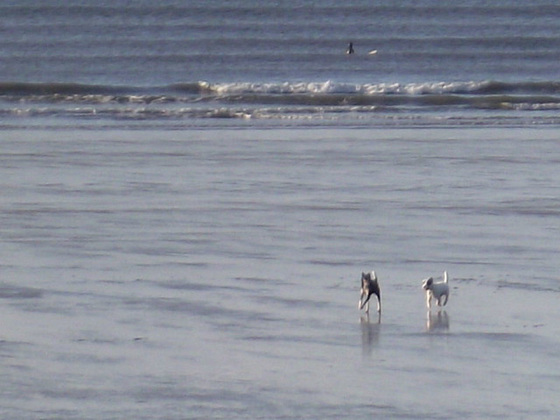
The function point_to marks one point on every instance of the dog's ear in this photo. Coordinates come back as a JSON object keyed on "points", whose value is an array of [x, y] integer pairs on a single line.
{"points": [[429, 281]]}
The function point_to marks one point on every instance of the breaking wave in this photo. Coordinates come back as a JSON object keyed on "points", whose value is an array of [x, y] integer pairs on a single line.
{"points": [[328, 87], [288, 100]]}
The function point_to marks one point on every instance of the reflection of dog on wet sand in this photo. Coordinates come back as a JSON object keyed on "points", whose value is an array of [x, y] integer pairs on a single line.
{"points": [[436, 290], [370, 333], [437, 321], [370, 286]]}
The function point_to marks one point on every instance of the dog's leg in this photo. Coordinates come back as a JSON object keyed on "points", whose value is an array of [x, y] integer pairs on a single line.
{"points": [[365, 302], [429, 299], [378, 305], [361, 302], [367, 307], [446, 297]]}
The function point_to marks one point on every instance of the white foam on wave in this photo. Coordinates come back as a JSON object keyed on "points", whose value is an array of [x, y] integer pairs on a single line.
{"points": [[327, 87], [331, 87], [426, 88]]}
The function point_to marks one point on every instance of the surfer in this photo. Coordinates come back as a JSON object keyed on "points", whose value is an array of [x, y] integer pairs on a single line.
{"points": [[350, 49]]}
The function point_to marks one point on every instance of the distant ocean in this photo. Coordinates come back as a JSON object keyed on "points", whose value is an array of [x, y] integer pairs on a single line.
{"points": [[190, 191], [283, 62]]}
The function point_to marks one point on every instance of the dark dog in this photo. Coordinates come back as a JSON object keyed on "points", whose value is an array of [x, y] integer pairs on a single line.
{"points": [[370, 286]]}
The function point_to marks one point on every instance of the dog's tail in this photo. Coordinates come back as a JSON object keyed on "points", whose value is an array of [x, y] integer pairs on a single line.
{"points": [[445, 280]]}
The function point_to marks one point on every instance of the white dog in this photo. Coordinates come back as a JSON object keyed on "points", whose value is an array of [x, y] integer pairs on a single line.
{"points": [[370, 286], [436, 290]]}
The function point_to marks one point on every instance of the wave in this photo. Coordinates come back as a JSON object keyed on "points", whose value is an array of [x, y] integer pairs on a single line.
{"points": [[38, 89], [286, 100], [328, 87], [288, 88], [371, 89]]}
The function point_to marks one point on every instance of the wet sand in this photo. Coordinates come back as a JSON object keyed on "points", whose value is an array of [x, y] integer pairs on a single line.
{"points": [[215, 273]]}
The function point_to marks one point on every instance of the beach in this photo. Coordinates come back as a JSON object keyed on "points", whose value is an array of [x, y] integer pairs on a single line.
{"points": [[191, 191], [215, 273]]}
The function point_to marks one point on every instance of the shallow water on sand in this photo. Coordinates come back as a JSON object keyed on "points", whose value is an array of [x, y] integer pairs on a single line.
{"points": [[215, 273]]}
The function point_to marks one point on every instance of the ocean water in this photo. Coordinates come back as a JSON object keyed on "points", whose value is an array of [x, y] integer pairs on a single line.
{"points": [[283, 63], [191, 190]]}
